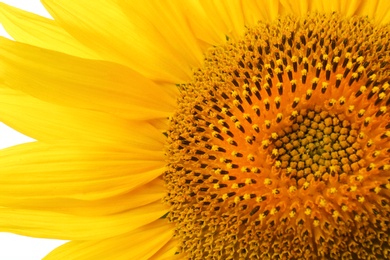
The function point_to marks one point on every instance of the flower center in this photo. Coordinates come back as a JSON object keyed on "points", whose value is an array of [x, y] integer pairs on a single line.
{"points": [[317, 145], [279, 148]]}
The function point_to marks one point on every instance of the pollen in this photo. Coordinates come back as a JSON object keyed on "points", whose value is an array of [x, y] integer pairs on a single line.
{"points": [[279, 147]]}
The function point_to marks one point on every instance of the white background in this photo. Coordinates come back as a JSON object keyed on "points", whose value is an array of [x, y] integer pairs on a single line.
{"points": [[14, 247]]}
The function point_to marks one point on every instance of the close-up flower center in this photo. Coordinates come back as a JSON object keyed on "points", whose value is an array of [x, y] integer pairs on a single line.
{"points": [[279, 147]]}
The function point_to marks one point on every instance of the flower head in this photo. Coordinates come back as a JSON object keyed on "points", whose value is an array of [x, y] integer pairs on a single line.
{"points": [[273, 141], [229, 133]]}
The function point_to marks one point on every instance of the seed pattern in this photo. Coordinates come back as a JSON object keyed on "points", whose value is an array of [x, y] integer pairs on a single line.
{"points": [[279, 148]]}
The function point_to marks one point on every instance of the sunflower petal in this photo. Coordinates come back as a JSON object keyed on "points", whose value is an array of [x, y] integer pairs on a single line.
{"points": [[140, 244], [349, 8], [40, 31], [212, 21], [168, 251], [75, 82], [102, 26], [48, 224], [202, 27], [379, 10], [154, 19], [256, 11], [45, 121], [149, 193], [299, 7], [75, 170], [229, 19]]}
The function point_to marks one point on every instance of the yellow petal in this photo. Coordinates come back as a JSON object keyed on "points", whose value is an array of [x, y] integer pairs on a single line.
{"points": [[212, 21], [102, 26], [227, 17], [203, 28], [75, 82], [143, 195], [45, 121], [379, 10], [299, 7], [141, 244], [168, 251], [262, 11], [165, 24], [48, 224], [348, 8], [76, 170], [42, 32]]}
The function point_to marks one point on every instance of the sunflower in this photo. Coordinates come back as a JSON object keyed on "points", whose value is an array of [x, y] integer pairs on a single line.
{"points": [[199, 129]]}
